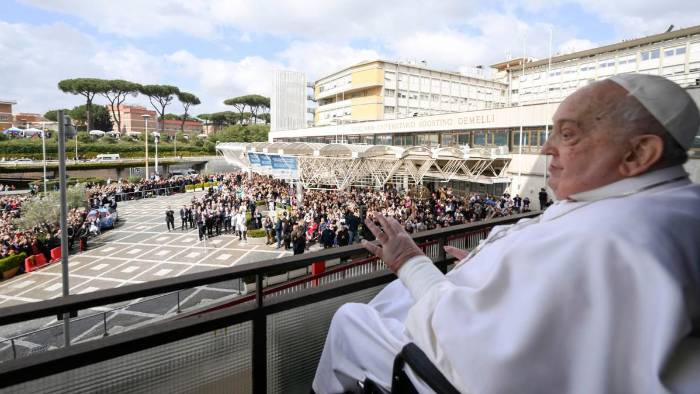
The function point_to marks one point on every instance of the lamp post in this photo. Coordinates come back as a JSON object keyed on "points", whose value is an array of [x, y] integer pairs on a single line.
{"points": [[156, 139], [145, 119], [43, 150]]}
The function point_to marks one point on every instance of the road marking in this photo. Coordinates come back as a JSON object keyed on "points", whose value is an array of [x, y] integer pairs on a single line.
{"points": [[162, 238], [216, 241], [107, 249], [163, 252], [23, 284], [88, 290], [133, 251], [130, 269], [163, 272], [224, 257], [53, 287], [99, 267], [192, 255]]}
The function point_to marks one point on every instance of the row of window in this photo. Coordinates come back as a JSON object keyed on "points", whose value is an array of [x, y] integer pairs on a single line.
{"points": [[532, 139]]}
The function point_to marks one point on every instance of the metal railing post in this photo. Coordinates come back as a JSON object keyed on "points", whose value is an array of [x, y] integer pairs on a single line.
{"points": [[104, 324], [259, 342], [14, 349], [178, 301]]}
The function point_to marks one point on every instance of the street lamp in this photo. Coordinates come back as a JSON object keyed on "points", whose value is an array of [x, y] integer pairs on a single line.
{"points": [[43, 150], [156, 138], [145, 119]]}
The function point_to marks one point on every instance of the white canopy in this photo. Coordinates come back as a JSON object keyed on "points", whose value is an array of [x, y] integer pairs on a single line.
{"points": [[97, 133]]}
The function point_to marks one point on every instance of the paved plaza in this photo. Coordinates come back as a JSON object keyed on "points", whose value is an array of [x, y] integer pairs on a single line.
{"points": [[139, 249]]}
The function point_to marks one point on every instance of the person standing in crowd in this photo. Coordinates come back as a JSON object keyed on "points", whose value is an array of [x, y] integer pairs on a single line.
{"points": [[279, 224], [268, 230], [328, 236], [517, 203], [201, 224], [170, 218], [227, 220], [183, 218], [242, 226], [343, 236], [190, 216], [526, 204], [543, 198], [298, 240], [351, 221]]}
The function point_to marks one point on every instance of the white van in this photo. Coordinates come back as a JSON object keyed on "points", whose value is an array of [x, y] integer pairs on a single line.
{"points": [[107, 157]]}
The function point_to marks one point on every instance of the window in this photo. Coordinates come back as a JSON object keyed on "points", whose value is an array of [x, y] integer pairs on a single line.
{"points": [[516, 138], [388, 110], [653, 54], [500, 138], [389, 92], [463, 139], [427, 139], [383, 139], [680, 51], [479, 138]]}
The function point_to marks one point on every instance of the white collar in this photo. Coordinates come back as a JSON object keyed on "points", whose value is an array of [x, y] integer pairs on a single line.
{"points": [[631, 185]]}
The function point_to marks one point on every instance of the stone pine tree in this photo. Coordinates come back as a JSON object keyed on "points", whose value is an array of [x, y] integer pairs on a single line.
{"points": [[160, 97], [187, 100], [86, 87], [115, 92]]}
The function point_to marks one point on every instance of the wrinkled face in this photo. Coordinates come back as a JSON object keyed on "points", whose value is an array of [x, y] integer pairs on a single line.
{"points": [[584, 154]]}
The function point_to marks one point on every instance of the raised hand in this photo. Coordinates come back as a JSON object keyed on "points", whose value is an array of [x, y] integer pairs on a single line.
{"points": [[395, 245]]}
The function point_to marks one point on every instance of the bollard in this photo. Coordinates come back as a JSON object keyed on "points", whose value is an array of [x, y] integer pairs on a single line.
{"points": [[14, 349], [178, 301]]}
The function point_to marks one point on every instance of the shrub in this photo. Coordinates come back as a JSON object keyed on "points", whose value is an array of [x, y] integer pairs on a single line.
{"points": [[11, 262], [134, 179], [258, 233], [201, 185]]}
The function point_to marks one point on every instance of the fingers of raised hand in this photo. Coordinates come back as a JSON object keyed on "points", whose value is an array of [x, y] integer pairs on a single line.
{"points": [[459, 254], [374, 249], [378, 233], [386, 225]]}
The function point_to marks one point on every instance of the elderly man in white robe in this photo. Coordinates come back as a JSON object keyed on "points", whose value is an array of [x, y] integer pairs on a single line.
{"points": [[599, 294]]}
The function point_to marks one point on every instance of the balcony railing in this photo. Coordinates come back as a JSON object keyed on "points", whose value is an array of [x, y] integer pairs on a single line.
{"points": [[269, 341]]}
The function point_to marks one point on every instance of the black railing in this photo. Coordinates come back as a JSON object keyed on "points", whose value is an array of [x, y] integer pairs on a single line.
{"points": [[253, 313]]}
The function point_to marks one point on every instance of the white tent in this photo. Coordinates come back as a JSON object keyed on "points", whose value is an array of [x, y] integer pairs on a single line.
{"points": [[97, 133], [202, 136], [133, 133], [113, 134]]}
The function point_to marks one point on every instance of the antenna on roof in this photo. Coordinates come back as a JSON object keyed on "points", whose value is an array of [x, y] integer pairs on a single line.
{"points": [[669, 29]]}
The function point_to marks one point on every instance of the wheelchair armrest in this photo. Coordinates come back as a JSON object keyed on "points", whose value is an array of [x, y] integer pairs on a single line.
{"points": [[422, 367]]}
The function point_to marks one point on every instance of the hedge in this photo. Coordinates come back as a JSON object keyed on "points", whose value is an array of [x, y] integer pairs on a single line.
{"points": [[201, 185], [258, 233], [11, 262], [71, 181], [32, 148]]}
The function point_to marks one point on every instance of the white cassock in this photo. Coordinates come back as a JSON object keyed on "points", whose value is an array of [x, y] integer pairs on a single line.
{"points": [[600, 295]]}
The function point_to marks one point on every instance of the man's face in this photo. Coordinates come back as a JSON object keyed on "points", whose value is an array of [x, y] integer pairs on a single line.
{"points": [[584, 154]]}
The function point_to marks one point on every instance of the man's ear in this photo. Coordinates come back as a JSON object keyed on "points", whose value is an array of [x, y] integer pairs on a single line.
{"points": [[644, 151]]}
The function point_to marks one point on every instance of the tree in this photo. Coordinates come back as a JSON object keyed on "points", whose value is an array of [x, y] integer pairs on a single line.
{"points": [[170, 117], [53, 115], [264, 117], [100, 117], [187, 100], [87, 87], [254, 102], [160, 96], [115, 92]]}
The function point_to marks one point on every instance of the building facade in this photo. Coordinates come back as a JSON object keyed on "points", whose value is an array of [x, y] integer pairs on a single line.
{"points": [[288, 102], [379, 90], [133, 121], [674, 55], [6, 116], [519, 120]]}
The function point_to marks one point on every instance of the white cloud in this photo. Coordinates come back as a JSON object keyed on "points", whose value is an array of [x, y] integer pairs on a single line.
{"points": [[634, 18], [217, 80], [318, 59]]}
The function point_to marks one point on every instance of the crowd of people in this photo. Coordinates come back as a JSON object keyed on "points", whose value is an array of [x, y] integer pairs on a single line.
{"points": [[39, 239], [238, 202], [326, 217]]}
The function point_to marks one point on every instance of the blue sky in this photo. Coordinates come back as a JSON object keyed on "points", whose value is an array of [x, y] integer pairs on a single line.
{"points": [[219, 49]]}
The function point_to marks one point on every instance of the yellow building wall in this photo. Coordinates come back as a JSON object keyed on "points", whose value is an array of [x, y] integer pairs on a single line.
{"points": [[367, 108], [368, 76]]}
